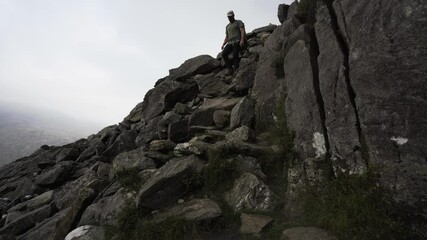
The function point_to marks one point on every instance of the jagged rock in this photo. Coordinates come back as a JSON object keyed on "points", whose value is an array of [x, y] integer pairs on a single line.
{"points": [[340, 120], [106, 210], [255, 50], [306, 233], [19, 189], [193, 210], [96, 147], [245, 77], [167, 119], [135, 159], [124, 142], [148, 133], [167, 184], [240, 147], [49, 229], [302, 110], [164, 146], [243, 133], [250, 193], [243, 113], [68, 154], [34, 203], [269, 28], [203, 116], [178, 132], [210, 85], [282, 12], [304, 32], [163, 97], [254, 223], [87, 233], [56, 175], [221, 118], [26, 221], [268, 84], [198, 65], [146, 174]]}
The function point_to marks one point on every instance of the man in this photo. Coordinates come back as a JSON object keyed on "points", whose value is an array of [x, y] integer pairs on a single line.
{"points": [[234, 41]]}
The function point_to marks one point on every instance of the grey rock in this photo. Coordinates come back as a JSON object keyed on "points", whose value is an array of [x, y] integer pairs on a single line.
{"points": [[135, 159], [250, 193], [148, 133], [167, 184], [56, 175], [68, 154], [194, 210], [146, 174], [34, 203], [210, 85], [178, 132], [198, 65], [124, 142], [243, 133], [164, 146], [15, 191], [87, 233], [249, 164], [282, 12], [26, 221], [181, 108], [243, 113], [245, 77], [269, 28], [193, 147], [95, 148], [106, 210], [306, 233], [387, 69], [221, 118], [340, 120], [49, 229], [302, 112], [254, 223], [167, 119], [202, 117]]}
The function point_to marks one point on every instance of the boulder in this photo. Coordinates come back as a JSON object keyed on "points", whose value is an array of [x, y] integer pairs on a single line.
{"points": [[198, 65], [56, 175], [49, 229], [148, 133], [194, 210], [251, 194], [282, 12], [243, 113], [269, 29], [254, 223], [167, 184], [249, 164], [124, 142], [221, 118], [106, 210], [245, 77], [243, 133], [181, 108], [178, 132], [135, 159], [203, 116], [27, 221], [15, 191], [193, 147], [95, 148], [34, 203], [68, 154], [168, 118], [210, 85], [306, 233], [87, 233]]}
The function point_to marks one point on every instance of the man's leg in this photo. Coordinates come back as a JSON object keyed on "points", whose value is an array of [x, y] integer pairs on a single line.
{"points": [[227, 50], [236, 58]]}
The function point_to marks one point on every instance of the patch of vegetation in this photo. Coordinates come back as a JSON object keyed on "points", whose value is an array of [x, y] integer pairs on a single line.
{"points": [[129, 179], [278, 65], [219, 174], [353, 207]]}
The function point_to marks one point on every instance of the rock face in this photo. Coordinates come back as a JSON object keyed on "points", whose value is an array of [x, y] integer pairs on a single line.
{"points": [[335, 92]]}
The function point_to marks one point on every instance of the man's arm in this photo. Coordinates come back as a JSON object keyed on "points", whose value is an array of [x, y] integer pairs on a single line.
{"points": [[242, 35], [225, 42]]}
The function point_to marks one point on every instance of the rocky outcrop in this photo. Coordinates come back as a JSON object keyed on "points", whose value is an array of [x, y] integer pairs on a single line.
{"points": [[337, 91]]}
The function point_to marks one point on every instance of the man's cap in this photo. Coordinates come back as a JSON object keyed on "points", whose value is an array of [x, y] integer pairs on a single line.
{"points": [[230, 14]]}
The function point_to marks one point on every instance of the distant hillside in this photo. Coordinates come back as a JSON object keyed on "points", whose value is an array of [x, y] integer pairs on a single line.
{"points": [[24, 129]]}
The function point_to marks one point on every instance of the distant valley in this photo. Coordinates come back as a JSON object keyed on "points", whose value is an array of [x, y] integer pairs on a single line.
{"points": [[24, 129]]}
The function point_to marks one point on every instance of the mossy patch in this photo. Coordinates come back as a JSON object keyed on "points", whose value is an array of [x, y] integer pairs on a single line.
{"points": [[353, 207], [129, 179]]}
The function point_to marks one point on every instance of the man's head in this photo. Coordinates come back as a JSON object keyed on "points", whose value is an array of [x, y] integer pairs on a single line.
{"points": [[230, 16]]}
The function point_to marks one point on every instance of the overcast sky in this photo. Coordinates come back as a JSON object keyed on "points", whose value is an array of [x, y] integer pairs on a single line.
{"points": [[96, 59]]}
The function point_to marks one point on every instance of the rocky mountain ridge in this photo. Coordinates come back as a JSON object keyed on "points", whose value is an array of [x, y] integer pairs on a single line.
{"points": [[322, 125]]}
